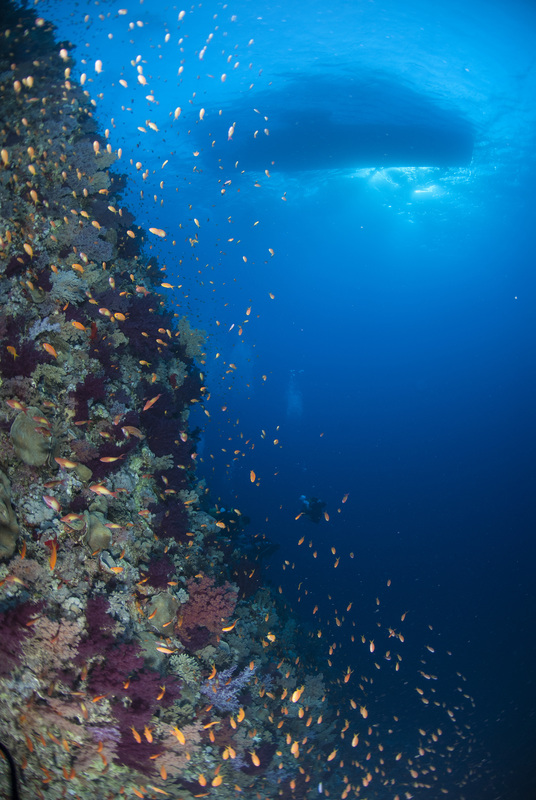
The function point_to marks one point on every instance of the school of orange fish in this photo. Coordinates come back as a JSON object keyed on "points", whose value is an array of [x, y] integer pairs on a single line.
{"points": [[364, 705]]}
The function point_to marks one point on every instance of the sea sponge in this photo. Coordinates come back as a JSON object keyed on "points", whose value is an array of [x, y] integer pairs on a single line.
{"points": [[9, 528], [166, 607], [98, 536], [30, 445]]}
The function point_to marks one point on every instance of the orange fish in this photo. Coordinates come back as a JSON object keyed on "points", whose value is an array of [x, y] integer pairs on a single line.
{"points": [[12, 351], [151, 402], [66, 463], [99, 488], [130, 430], [136, 735], [53, 556], [50, 350], [110, 459], [78, 325], [16, 404], [52, 503], [179, 734], [43, 431]]}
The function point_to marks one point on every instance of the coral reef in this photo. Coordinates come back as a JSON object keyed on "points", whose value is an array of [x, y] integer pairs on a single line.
{"points": [[129, 657], [31, 441]]}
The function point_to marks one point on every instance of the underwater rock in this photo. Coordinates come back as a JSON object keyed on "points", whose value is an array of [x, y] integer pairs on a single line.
{"points": [[83, 472], [9, 528], [31, 446], [164, 607], [98, 536]]}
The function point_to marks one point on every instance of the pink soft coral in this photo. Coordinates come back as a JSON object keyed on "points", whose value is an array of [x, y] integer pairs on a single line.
{"points": [[209, 607]]}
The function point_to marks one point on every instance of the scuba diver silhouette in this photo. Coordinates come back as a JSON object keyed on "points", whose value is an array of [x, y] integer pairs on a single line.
{"points": [[312, 507]]}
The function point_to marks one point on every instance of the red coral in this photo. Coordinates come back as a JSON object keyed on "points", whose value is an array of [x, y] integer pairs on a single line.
{"points": [[209, 607]]}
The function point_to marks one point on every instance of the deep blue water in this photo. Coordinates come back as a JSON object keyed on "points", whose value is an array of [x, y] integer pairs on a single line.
{"points": [[399, 349]]}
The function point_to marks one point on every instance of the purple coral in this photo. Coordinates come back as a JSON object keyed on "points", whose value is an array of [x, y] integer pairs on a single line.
{"points": [[160, 571], [223, 690], [207, 608], [13, 630]]}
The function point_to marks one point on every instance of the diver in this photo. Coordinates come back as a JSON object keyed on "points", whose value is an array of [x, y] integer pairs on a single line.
{"points": [[312, 507]]}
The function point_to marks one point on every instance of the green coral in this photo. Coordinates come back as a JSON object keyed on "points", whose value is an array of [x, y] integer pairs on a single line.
{"points": [[193, 339], [186, 668]]}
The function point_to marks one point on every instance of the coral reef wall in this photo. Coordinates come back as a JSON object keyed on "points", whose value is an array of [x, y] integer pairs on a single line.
{"points": [[135, 658]]}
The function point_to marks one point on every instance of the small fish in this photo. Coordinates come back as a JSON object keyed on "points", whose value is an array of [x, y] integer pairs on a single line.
{"points": [[165, 650], [50, 350], [150, 403], [252, 476], [158, 232], [16, 404], [135, 734], [13, 579], [111, 459], [53, 555], [41, 420], [297, 694], [229, 627], [43, 431], [147, 733], [99, 488], [78, 325], [130, 430], [179, 734], [66, 463], [52, 503], [12, 351]]}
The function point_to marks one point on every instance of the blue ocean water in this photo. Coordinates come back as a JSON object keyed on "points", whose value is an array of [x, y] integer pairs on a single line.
{"points": [[384, 153]]}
